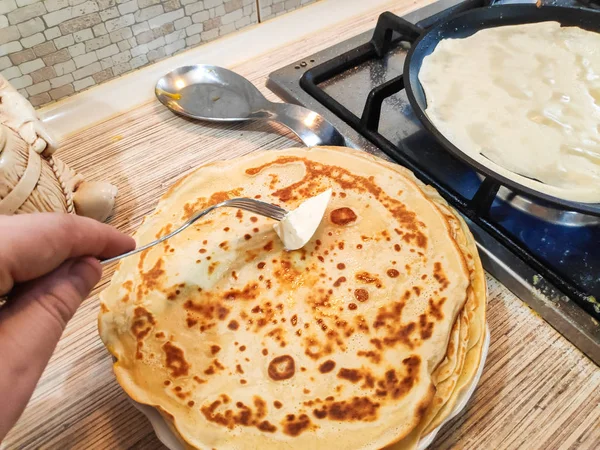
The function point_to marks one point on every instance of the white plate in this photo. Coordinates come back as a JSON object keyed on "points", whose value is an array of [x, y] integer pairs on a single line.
{"points": [[166, 436]]}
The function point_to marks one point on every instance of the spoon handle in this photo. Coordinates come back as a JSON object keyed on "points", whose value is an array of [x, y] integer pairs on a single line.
{"points": [[312, 128]]}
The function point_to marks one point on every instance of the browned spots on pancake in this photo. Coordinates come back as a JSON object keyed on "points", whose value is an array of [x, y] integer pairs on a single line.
{"points": [[206, 309], [212, 267], [395, 387], [362, 295], [214, 367], [352, 375], [182, 395], [388, 315], [103, 308], [253, 219], [142, 259], [277, 404], [261, 265], [143, 322], [352, 306], [361, 409], [314, 171], [128, 286], [277, 334], [214, 349], [397, 247], [191, 403], [239, 214], [417, 239], [268, 246], [247, 237], [150, 279], [367, 278], [341, 266], [342, 216], [244, 416], [375, 357], [267, 427], [327, 366], [191, 208], [339, 281], [425, 327], [249, 292], [265, 351], [286, 273], [199, 380], [164, 231], [435, 307], [160, 335], [393, 273], [242, 348], [361, 324], [274, 180], [294, 320], [294, 426], [315, 349], [390, 318], [440, 275], [175, 360], [233, 325], [282, 368], [190, 322], [238, 369]]}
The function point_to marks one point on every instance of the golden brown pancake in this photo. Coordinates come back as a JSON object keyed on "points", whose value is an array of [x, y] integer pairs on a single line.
{"points": [[241, 344]]}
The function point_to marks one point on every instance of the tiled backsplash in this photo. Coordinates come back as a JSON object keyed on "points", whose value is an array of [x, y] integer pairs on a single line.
{"points": [[50, 49], [272, 8]]}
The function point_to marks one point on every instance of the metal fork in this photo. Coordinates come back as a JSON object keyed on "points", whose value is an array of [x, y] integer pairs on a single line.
{"points": [[247, 204]]}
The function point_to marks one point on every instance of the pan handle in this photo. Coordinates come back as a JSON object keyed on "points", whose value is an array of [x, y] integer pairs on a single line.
{"points": [[386, 25]]}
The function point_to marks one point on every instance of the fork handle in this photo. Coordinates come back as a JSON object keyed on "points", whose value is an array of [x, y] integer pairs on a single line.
{"points": [[162, 239], [312, 128]]}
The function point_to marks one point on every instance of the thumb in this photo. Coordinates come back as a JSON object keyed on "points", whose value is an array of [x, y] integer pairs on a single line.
{"points": [[52, 300], [31, 325]]}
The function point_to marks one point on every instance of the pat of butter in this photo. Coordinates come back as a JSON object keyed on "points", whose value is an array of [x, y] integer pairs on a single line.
{"points": [[299, 225]]}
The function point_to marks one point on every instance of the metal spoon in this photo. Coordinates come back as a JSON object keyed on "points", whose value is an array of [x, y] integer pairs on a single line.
{"points": [[219, 95]]}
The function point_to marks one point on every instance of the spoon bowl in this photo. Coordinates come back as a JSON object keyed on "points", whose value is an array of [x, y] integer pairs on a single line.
{"points": [[209, 93], [215, 94]]}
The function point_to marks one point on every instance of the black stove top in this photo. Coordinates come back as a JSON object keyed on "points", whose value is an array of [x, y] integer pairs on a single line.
{"points": [[549, 258]]}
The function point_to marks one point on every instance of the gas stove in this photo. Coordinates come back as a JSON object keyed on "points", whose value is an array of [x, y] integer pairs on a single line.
{"points": [[548, 257]]}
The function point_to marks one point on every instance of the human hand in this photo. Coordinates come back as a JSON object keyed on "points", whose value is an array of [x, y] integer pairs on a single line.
{"points": [[48, 266]]}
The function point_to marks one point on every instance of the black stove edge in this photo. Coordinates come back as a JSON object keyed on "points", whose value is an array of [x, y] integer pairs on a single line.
{"points": [[564, 316]]}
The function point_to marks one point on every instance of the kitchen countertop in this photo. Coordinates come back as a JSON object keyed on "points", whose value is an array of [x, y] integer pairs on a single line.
{"points": [[537, 390]]}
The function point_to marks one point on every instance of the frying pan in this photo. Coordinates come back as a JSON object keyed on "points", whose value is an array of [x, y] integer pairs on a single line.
{"points": [[465, 24]]}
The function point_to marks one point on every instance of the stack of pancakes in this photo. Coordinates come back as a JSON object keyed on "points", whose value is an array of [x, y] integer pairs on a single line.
{"points": [[362, 339]]}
